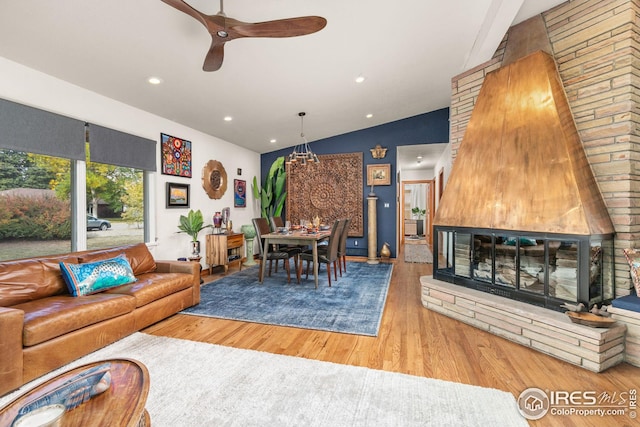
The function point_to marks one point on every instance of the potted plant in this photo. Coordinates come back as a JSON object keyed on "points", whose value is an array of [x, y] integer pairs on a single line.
{"points": [[273, 195], [193, 224], [418, 212]]}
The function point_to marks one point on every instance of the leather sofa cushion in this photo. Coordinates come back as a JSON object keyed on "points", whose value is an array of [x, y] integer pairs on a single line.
{"points": [[31, 279], [154, 286], [138, 256], [51, 317]]}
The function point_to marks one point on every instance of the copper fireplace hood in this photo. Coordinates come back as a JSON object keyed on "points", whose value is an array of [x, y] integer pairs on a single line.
{"points": [[521, 165], [522, 216]]}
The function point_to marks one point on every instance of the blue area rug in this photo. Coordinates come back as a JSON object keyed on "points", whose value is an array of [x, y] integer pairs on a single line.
{"points": [[354, 304]]}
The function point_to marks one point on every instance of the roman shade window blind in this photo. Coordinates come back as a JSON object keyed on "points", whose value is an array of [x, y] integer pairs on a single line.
{"points": [[24, 128], [121, 149]]}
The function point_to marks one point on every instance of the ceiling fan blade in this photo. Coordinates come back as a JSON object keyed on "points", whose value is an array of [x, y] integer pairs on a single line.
{"points": [[184, 7], [224, 29], [215, 56], [290, 27]]}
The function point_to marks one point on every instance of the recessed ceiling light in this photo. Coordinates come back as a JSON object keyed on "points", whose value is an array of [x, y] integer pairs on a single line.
{"points": [[368, 116], [359, 79], [228, 118], [154, 80], [419, 157], [273, 140]]}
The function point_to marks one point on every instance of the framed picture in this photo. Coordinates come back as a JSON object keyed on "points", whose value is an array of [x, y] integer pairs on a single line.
{"points": [[379, 174], [177, 195], [175, 156], [239, 193]]}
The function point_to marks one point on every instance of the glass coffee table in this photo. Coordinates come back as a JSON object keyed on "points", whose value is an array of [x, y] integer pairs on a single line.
{"points": [[122, 404]]}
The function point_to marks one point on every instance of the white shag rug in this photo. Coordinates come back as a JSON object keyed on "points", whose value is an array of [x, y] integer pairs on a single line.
{"points": [[198, 384]]}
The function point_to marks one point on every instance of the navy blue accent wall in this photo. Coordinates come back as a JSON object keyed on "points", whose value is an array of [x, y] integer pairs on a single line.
{"points": [[428, 128]]}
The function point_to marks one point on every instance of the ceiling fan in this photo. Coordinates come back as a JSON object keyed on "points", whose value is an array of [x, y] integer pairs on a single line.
{"points": [[223, 29]]}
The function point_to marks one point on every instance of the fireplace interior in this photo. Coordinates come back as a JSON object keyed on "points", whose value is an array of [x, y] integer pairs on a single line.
{"points": [[542, 269]]}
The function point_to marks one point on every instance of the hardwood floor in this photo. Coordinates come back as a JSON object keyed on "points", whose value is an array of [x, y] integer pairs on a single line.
{"points": [[416, 341]]}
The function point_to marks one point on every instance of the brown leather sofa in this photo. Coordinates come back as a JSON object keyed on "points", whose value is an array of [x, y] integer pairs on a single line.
{"points": [[43, 327]]}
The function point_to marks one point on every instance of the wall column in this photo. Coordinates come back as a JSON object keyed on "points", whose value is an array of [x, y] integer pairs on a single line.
{"points": [[372, 230]]}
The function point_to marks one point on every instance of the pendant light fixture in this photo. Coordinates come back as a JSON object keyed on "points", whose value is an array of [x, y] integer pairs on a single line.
{"points": [[302, 152]]}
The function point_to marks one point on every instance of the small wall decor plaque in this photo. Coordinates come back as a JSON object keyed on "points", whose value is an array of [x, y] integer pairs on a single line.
{"points": [[378, 152]]}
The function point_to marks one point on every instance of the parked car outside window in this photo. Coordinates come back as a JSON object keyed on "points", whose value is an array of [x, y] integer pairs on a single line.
{"points": [[94, 223]]}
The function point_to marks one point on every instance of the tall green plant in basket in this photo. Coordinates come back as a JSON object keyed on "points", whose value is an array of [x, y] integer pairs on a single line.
{"points": [[273, 195]]}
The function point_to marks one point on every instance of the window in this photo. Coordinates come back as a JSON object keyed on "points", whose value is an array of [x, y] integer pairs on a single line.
{"points": [[35, 205], [115, 205], [45, 163]]}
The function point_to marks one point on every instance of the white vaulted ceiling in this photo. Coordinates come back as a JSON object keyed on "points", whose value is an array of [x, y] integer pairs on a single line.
{"points": [[407, 50]]}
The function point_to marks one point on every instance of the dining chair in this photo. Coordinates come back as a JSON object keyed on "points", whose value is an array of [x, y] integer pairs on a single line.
{"points": [[262, 227], [276, 223], [328, 257], [342, 247], [323, 246]]}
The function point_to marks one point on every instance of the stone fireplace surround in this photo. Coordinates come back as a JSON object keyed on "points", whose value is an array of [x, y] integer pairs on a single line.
{"points": [[540, 329], [593, 44]]}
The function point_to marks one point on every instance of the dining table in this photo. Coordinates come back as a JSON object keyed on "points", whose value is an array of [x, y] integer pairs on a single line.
{"points": [[295, 237]]}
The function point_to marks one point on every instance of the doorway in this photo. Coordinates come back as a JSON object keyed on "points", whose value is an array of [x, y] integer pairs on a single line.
{"points": [[417, 209]]}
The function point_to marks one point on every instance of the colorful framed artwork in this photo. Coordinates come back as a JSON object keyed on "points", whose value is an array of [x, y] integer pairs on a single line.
{"points": [[177, 195], [239, 193], [175, 156], [379, 174]]}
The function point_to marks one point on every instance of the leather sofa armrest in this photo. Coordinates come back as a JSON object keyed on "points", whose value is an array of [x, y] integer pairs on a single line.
{"points": [[187, 267], [11, 359]]}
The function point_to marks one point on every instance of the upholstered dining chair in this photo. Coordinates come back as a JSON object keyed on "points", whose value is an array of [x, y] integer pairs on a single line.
{"points": [[342, 247], [262, 227], [322, 246], [328, 257], [277, 222]]}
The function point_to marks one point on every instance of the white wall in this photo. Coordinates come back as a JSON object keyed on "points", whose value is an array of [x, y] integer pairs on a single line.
{"points": [[416, 174], [444, 162], [27, 86]]}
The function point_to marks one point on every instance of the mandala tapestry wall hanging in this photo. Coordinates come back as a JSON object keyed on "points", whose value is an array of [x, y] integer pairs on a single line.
{"points": [[176, 156], [331, 190]]}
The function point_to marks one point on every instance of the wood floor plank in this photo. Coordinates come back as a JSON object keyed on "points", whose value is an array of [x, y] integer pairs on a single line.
{"points": [[416, 341]]}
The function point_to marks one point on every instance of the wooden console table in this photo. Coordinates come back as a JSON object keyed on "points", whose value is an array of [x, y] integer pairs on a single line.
{"points": [[122, 405], [225, 249]]}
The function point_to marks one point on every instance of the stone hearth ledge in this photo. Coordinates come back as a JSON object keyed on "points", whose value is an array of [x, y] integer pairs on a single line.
{"points": [[632, 340], [540, 329]]}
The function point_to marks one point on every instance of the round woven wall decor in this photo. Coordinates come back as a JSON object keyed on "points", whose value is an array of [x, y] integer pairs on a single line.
{"points": [[214, 179]]}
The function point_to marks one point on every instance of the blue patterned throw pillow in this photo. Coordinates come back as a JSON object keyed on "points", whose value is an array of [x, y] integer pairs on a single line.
{"points": [[94, 277]]}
